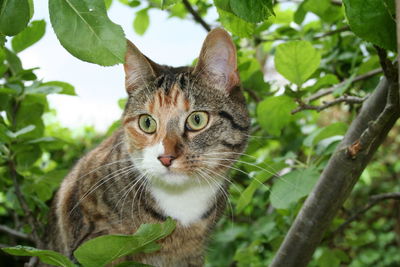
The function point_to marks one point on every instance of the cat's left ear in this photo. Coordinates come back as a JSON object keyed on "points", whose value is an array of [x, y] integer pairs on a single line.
{"points": [[217, 61]]}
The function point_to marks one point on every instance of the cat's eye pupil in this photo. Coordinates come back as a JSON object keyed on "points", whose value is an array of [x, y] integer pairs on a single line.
{"points": [[197, 119], [147, 122]]}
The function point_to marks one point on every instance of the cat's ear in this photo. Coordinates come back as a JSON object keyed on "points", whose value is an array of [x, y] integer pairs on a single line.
{"points": [[217, 61], [139, 70]]}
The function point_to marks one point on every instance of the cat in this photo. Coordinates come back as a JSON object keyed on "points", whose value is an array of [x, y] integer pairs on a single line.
{"points": [[182, 129]]}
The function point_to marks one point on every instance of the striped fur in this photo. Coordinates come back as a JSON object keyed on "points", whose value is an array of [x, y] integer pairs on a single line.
{"points": [[120, 184]]}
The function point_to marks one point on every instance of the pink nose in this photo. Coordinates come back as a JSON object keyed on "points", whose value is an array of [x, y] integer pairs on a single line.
{"points": [[166, 160]]}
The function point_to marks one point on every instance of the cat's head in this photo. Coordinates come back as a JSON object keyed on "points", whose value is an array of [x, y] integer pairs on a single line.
{"points": [[185, 125]]}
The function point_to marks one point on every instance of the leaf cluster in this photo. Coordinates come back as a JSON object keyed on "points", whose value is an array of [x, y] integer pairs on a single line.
{"points": [[298, 63]]}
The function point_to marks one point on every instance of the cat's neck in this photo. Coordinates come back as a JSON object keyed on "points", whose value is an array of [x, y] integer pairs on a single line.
{"points": [[188, 203]]}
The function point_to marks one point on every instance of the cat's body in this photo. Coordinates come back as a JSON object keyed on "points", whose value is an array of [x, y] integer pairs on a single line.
{"points": [[182, 129]]}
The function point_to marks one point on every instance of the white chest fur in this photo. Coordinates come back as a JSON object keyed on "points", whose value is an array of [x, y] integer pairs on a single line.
{"points": [[185, 204]]}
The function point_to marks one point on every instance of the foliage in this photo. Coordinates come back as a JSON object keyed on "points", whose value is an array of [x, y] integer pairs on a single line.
{"points": [[102, 250], [321, 60]]}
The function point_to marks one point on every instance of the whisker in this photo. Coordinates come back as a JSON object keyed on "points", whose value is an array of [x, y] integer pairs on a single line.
{"points": [[131, 185], [223, 177], [273, 172], [265, 186], [224, 193], [142, 188], [104, 165], [98, 184]]}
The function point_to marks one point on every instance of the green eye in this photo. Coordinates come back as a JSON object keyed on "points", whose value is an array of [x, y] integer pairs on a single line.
{"points": [[147, 124], [197, 121]]}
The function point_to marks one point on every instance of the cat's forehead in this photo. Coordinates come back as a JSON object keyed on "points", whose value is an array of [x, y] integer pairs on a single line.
{"points": [[175, 93], [168, 102]]}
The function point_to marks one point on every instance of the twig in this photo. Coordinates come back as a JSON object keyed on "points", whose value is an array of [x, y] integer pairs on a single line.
{"points": [[372, 202], [326, 104], [330, 90], [343, 29], [196, 15], [10, 231], [277, 39], [252, 94]]}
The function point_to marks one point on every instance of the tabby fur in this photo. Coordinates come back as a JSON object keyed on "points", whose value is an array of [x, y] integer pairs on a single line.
{"points": [[120, 184]]}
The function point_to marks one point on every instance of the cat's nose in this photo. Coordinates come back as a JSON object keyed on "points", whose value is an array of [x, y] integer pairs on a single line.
{"points": [[166, 160]]}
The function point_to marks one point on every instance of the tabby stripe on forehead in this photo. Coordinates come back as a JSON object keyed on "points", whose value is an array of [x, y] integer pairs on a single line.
{"points": [[234, 125]]}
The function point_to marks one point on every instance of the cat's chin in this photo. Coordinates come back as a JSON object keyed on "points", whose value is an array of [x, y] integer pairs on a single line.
{"points": [[170, 178]]}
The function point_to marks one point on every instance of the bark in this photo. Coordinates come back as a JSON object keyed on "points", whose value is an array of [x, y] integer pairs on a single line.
{"points": [[369, 129]]}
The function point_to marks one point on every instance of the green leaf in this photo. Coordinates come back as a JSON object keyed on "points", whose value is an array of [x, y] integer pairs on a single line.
{"points": [[104, 249], [24, 130], [372, 21], [291, 187], [47, 184], [328, 258], [122, 102], [56, 87], [14, 16], [324, 81], [297, 60], [166, 3], [300, 14], [83, 28], [235, 25], [30, 113], [338, 128], [13, 62], [273, 113], [46, 256], [252, 10], [108, 3], [223, 4], [323, 9], [27, 155], [30, 35], [135, 3], [141, 22], [247, 195], [4, 138]]}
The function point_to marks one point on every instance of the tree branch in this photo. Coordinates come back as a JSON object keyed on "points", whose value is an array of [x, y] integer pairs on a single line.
{"points": [[10, 231], [372, 202], [330, 90], [369, 129], [343, 29], [196, 15], [326, 104]]}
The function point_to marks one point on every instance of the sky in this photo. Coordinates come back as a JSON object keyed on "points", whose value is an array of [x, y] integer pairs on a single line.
{"points": [[171, 41]]}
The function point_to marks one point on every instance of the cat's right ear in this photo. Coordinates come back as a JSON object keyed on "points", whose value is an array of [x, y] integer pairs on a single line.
{"points": [[139, 70]]}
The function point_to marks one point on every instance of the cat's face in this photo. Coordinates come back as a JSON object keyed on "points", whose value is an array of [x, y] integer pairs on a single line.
{"points": [[186, 125]]}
